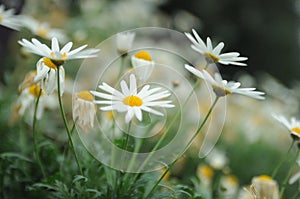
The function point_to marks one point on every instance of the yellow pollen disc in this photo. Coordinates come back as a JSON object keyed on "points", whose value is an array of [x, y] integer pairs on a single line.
{"points": [[35, 90], [143, 55], [296, 130], [85, 95], [110, 115], [206, 171], [42, 32], [211, 56], [64, 55], [133, 100], [1, 18], [48, 62], [265, 178]]}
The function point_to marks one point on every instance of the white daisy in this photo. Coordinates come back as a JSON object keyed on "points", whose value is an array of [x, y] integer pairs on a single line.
{"points": [[143, 65], [8, 19], [47, 74], [43, 29], [222, 87], [57, 55], [132, 101], [265, 187], [84, 109], [124, 42], [214, 54], [293, 125]]}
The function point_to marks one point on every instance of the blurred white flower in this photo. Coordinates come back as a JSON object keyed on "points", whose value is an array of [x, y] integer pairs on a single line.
{"points": [[47, 74], [124, 42], [293, 125], [296, 176], [84, 110], [9, 19], [265, 187], [43, 29], [222, 87], [143, 65], [57, 55], [230, 185], [205, 174], [26, 102], [214, 54], [217, 159], [131, 101]]}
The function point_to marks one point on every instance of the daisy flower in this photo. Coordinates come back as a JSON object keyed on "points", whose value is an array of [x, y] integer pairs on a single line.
{"points": [[131, 101], [293, 125], [8, 19], [55, 54], [46, 72], [124, 42], [84, 109], [43, 29], [214, 54], [143, 64], [222, 87], [265, 187]]}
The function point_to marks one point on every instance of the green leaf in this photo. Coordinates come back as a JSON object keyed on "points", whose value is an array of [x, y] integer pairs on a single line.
{"points": [[78, 178], [14, 155]]}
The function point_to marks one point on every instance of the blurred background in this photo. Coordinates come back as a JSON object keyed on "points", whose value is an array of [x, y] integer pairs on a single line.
{"points": [[265, 31]]}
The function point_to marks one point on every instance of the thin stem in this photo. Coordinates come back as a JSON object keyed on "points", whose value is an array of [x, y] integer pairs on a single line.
{"points": [[125, 143], [275, 171], [65, 121], [190, 142], [36, 150], [121, 66], [288, 176]]}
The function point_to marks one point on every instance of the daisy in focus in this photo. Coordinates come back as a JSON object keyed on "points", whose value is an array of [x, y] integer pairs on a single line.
{"points": [[143, 65], [293, 125], [222, 87], [43, 29], [124, 42], [84, 109], [214, 54], [9, 19], [53, 59], [131, 101]]}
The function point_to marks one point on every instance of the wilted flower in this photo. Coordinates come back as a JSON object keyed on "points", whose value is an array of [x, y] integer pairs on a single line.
{"points": [[124, 42], [265, 187], [214, 54], [8, 19], [84, 109], [143, 65], [222, 87], [131, 101]]}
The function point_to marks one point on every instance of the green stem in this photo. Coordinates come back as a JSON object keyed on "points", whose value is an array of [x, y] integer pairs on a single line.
{"points": [[35, 136], [288, 176], [65, 121], [189, 143], [121, 66], [275, 171], [125, 143]]}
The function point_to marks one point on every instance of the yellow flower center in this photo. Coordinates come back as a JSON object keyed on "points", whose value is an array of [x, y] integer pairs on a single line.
{"points": [[85, 95], [52, 63], [265, 178], [35, 90], [143, 55], [1, 18], [133, 100], [296, 130], [211, 56], [206, 171], [42, 32], [110, 115]]}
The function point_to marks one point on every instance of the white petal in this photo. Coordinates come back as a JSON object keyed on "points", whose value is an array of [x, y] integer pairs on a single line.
{"points": [[54, 45]]}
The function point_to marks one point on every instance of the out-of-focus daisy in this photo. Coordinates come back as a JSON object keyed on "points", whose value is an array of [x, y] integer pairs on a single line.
{"points": [[84, 109], [293, 125], [265, 187], [28, 80], [214, 54], [131, 101], [205, 174], [55, 54], [25, 102], [229, 186], [124, 42], [222, 87], [46, 73], [143, 65], [217, 159], [43, 29], [296, 176], [9, 19]]}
